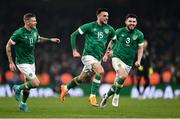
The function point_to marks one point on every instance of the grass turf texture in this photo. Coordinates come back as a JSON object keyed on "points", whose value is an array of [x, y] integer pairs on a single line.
{"points": [[74, 107]]}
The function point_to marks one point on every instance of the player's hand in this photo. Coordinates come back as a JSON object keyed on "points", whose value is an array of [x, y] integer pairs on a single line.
{"points": [[56, 40], [140, 68], [76, 53], [137, 63], [12, 67]]}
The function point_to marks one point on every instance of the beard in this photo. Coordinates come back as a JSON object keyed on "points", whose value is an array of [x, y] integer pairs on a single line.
{"points": [[104, 22], [131, 28]]}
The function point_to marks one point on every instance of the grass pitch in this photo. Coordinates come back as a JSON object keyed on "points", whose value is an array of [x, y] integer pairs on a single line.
{"points": [[79, 107]]}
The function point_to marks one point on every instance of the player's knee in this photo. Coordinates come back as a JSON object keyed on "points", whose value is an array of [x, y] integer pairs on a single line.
{"points": [[81, 78], [77, 80], [100, 73], [36, 83], [123, 76]]}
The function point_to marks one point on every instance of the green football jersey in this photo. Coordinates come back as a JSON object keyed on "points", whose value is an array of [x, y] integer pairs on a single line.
{"points": [[24, 41], [127, 44], [96, 37]]}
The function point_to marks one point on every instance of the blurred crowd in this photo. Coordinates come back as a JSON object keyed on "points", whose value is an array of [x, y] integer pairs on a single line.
{"points": [[161, 28]]}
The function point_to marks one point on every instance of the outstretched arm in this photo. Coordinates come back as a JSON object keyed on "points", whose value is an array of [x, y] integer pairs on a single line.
{"points": [[12, 66], [43, 39], [73, 43]]}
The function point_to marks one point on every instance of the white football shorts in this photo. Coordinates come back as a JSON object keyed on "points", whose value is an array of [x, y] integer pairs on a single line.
{"points": [[117, 64], [88, 60], [28, 70]]}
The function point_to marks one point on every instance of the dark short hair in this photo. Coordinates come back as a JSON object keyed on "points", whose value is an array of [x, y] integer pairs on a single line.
{"points": [[27, 16], [131, 15], [101, 10]]}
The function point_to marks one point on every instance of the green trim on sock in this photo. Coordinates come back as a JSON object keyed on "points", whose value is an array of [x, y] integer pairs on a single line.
{"points": [[111, 90], [25, 96], [98, 77], [120, 82], [73, 83], [117, 91], [94, 88], [95, 84], [26, 85]]}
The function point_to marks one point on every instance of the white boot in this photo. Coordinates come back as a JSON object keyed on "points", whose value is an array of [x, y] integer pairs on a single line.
{"points": [[115, 100]]}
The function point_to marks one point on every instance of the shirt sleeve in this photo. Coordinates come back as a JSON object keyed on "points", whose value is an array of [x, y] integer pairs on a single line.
{"points": [[113, 35], [14, 38], [83, 29], [117, 34], [141, 40], [38, 36]]}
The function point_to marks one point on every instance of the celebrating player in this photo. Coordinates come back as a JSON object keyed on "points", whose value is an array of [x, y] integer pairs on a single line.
{"points": [[24, 40], [129, 40], [97, 34]]}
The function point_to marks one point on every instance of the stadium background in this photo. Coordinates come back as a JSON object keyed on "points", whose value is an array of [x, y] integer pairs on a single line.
{"points": [[159, 20]]}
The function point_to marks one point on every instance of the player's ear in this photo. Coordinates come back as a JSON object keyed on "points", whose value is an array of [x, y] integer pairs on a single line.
{"points": [[125, 21]]}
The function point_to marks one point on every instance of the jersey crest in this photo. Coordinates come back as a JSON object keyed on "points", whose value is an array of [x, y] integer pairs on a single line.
{"points": [[134, 37], [106, 31]]}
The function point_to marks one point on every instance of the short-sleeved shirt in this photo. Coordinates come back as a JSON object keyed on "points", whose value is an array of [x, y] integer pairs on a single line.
{"points": [[96, 37], [127, 44], [24, 41]]}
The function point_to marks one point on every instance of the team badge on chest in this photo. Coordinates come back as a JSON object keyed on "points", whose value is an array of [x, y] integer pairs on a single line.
{"points": [[106, 31], [134, 37]]}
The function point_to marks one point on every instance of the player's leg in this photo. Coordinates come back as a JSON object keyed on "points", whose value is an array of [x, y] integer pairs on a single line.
{"points": [[122, 75], [146, 77], [139, 75], [99, 72], [138, 84], [33, 82], [89, 63], [25, 94], [122, 71], [108, 94], [73, 83]]}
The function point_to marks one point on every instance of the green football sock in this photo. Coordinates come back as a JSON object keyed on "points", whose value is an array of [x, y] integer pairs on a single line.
{"points": [[73, 83], [120, 82], [25, 96], [95, 84], [111, 90], [26, 85]]}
